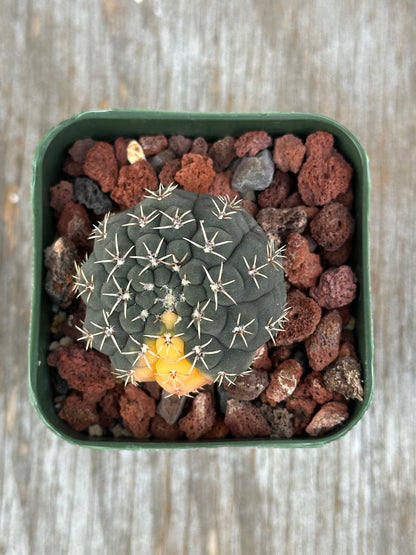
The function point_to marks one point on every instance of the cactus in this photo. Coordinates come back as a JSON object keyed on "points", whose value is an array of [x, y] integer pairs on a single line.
{"points": [[182, 289]]}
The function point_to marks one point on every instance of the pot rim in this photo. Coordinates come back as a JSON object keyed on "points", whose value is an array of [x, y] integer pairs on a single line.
{"points": [[65, 133]]}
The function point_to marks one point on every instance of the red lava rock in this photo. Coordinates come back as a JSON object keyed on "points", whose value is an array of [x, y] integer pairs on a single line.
{"points": [[59, 282], [325, 173], [74, 223], [302, 410], [101, 165], [301, 266], [60, 194], [180, 145], [323, 345], [218, 431], [196, 173], [319, 144], [247, 387], [283, 381], [336, 287], [320, 181], [302, 390], [109, 407], [78, 413], [168, 172], [262, 360], [327, 418], [245, 419], [78, 151], [201, 418], [132, 182], [222, 153], [160, 429], [338, 257], [288, 153], [292, 201], [120, 148], [251, 143], [153, 144], [92, 397], [314, 387], [347, 198], [72, 168], [345, 313], [302, 319], [153, 389], [344, 377], [74, 163], [281, 353], [347, 349], [310, 211], [277, 191], [221, 186], [137, 409], [200, 146], [88, 371], [251, 207], [333, 226]]}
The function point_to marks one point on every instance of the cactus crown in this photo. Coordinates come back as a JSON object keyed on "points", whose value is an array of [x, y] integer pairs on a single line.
{"points": [[181, 289]]}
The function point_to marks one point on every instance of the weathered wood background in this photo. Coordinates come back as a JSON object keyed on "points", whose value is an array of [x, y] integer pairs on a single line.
{"points": [[351, 60]]}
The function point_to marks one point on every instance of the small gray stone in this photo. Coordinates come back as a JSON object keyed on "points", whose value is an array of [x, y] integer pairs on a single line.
{"points": [[159, 160], [254, 173], [170, 407], [249, 195]]}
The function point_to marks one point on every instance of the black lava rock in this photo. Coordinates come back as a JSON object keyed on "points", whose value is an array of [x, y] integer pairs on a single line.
{"points": [[88, 193]]}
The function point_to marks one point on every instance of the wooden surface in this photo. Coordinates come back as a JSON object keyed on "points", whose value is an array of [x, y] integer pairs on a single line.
{"points": [[350, 60]]}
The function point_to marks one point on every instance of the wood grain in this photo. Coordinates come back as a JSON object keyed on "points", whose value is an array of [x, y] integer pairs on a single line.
{"points": [[352, 61]]}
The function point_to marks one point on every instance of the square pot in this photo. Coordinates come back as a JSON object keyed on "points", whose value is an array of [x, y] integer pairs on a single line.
{"points": [[108, 125]]}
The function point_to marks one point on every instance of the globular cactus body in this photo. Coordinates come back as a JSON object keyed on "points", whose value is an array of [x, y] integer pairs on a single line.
{"points": [[182, 289]]}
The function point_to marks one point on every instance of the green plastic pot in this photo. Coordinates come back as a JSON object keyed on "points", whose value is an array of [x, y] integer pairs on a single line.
{"points": [[107, 125]]}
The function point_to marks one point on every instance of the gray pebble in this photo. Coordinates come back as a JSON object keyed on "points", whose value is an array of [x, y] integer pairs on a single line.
{"points": [[159, 160], [254, 173], [170, 407]]}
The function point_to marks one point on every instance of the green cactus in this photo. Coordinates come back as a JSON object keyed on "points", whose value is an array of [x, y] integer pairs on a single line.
{"points": [[182, 289]]}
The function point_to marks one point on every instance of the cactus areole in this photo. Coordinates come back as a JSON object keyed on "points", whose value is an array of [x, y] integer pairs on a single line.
{"points": [[182, 289]]}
